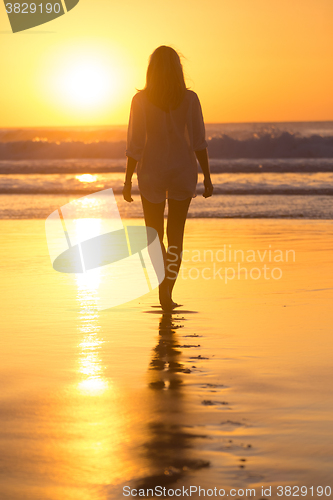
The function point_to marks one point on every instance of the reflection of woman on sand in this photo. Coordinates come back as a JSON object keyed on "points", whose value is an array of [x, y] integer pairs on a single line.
{"points": [[170, 446], [166, 134]]}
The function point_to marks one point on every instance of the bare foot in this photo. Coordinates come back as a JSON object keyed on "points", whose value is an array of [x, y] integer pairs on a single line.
{"points": [[164, 297], [174, 304], [167, 308], [166, 301]]}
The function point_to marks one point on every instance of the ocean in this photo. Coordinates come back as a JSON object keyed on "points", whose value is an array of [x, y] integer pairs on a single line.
{"points": [[259, 170]]}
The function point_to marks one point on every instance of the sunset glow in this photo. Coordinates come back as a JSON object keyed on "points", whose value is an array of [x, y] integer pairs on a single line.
{"points": [[253, 61]]}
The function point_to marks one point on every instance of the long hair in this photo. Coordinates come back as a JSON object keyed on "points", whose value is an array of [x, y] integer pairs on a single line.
{"points": [[165, 83]]}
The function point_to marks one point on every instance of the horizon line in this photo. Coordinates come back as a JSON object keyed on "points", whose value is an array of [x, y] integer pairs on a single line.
{"points": [[126, 124]]}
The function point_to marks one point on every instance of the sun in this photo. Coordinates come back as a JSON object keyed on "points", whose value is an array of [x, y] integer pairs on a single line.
{"points": [[83, 80], [86, 83]]}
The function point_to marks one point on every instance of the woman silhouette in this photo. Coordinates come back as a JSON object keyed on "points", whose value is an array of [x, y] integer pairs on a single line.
{"points": [[166, 134]]}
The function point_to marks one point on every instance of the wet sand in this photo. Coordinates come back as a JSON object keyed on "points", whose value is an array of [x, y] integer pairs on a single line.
{"points": [[231, 391]]}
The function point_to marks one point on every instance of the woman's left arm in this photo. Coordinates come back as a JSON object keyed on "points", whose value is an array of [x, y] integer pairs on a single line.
{"points": [[136, 138], [130, 167]]}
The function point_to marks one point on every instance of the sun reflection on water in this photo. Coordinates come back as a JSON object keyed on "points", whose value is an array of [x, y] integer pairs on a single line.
{"points": [[86, 178], [90, 367]]}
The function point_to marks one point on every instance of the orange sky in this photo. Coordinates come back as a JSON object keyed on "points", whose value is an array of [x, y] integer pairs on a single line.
{"points": [[250, 60]]}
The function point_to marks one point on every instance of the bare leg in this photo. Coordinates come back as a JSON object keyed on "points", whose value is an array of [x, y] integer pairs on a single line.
{"points": [[154, 217], [177, 213]]}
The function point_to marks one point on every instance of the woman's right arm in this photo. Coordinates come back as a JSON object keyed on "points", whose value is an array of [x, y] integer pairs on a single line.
{"points": [[204, 164], [200, 145]]}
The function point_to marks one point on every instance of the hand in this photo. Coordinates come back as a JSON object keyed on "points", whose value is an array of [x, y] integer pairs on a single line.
{"points": [[127, 192], [209, 188]]}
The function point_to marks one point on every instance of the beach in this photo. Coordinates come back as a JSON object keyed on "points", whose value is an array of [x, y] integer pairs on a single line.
{"points": [[233, 390], [103, 395]]}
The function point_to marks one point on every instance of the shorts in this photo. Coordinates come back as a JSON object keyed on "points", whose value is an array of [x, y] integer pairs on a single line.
{"points": [[174, 188]]}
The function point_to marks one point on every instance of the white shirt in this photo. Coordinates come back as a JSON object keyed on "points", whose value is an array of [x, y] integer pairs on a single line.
{"points": [[164, 143]]}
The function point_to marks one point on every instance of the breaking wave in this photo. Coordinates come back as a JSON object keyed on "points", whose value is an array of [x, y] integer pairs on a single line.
{"points": [[284, 145]]}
